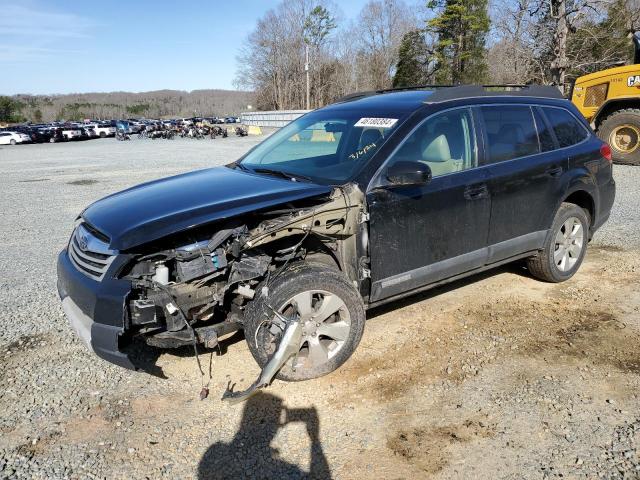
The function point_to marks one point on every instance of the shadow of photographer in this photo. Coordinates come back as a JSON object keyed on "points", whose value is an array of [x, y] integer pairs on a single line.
{"points": [[250, 454]]}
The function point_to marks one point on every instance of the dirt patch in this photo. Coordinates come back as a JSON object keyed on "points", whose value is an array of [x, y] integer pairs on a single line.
{"points": [[37, 446], [606, 248], [25, 343], [466, 339], [87, 429], [83, 182], [34, 180], [427, 448]]}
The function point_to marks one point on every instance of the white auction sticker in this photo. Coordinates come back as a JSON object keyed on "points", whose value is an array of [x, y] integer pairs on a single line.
{"points": [[376, 122]]}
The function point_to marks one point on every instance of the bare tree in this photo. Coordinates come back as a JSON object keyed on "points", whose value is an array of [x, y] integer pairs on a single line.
{"points": [[510, 56], [360, 55], [157, 104]]}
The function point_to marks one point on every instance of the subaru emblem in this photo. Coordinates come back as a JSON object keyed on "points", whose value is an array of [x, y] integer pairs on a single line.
{"points": [[83, 242]]}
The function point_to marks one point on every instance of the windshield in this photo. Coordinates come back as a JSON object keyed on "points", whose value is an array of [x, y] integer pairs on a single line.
{"points": [[324, 146]]}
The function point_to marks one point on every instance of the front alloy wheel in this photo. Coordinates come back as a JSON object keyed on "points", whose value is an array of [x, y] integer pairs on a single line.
{"points": [[329, 308], [325, 326]]}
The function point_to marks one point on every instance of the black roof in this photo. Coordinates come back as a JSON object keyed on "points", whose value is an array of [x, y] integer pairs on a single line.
{"points": [[411, 98], [392, 101]]}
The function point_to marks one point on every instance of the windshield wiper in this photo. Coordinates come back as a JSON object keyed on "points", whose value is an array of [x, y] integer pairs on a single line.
{"points": [[241, 167], [296, 177]]}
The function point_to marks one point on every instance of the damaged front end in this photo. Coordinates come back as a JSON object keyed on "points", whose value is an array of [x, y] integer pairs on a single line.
{"points": [[194, 292]]}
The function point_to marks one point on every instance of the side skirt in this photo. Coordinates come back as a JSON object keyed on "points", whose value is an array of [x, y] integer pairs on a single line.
{"points": [[449, 280]]}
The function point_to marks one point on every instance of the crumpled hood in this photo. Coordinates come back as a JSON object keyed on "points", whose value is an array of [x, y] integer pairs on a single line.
{"points": [[159, 208]]}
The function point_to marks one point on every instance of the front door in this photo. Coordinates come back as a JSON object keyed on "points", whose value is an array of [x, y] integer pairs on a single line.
{"points": [[422, 234]]}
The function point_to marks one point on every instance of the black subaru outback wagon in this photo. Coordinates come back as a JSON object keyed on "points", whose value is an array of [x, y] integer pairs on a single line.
{"points": [[375, 197]]}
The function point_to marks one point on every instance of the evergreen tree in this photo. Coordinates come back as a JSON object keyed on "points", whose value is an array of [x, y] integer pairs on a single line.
{"points": [[318, 26], [10, 110], [461, 27], [412, 63]]}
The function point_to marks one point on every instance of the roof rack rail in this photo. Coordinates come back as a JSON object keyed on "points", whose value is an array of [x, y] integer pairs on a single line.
{"points": [[451, 92], [368, 93], [463, 91]]}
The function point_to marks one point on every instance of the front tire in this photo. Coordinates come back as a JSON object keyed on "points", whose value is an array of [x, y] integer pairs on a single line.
{"points": [[565, 246], [621, 130], [12, 141], [332, 312]]}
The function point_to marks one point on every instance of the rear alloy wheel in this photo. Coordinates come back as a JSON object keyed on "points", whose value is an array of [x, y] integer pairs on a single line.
{"points": [[332, 315], [12, 141], [565, 246], [568, 244], [621, 131]]}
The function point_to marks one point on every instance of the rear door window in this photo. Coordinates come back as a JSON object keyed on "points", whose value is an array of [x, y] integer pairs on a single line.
{"points": [[566, 127], [511, 132]]}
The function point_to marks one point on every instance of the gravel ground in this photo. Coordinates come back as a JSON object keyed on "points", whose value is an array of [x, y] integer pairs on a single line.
{"points": [[497, 376]]}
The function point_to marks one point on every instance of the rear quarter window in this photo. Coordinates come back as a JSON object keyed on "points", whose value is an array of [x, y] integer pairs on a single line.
{"points": [[544, 132], [569, 131]]}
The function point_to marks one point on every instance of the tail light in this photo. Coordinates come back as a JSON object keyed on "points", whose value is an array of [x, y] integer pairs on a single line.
{"points": [[605, 151]]}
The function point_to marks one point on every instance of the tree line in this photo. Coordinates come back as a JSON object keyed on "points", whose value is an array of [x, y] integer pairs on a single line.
{"points": [[156, 104], [392, 43]]}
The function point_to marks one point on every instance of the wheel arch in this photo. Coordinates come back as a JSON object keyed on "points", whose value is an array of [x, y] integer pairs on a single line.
{"points": [[317, 251], [583, 199], [613, 105]]}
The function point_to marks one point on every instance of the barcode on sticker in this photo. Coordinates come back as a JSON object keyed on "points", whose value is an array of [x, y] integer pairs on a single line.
{"points": [[376, 122]]}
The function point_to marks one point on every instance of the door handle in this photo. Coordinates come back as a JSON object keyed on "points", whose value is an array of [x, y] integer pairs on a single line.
{"points": [[476, 192], [554, 171]]}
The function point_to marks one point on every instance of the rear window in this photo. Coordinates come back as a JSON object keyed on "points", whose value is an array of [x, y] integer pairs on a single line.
{"points": [[511, 132], [566, 127]]}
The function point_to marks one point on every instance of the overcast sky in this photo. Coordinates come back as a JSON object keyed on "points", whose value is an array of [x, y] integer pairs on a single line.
{"points": [[99, 46]]}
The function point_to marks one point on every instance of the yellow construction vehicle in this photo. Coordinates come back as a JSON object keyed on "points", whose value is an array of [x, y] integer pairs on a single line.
{"points": [[610, 100]]}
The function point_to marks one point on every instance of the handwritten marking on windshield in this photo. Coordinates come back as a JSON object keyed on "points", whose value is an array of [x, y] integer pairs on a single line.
{"points": [[356, 155]]}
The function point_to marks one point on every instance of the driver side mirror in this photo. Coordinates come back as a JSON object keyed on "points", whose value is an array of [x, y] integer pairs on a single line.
{"points": [[409, 173]]}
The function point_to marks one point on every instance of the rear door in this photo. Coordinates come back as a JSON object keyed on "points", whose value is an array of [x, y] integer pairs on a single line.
{"points": [[525, 170]]}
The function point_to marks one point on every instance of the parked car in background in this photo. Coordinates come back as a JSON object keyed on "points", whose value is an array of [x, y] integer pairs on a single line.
{"points": [[103, 130], [231, 120], [71, 133], [123, 126], [40, 135], [35, 134], [88, 132], [56, 134], [13, 138]]}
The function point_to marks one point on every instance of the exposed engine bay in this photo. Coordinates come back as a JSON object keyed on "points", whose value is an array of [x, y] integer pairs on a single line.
{"points": [[193, 293]]}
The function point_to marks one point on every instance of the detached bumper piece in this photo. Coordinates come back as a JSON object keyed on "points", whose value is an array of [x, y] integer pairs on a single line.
{"points": [[289, 346]]}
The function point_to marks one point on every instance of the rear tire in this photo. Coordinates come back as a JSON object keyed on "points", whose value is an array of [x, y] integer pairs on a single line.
{"points": [[12, 141], [565, 246], [621, 130], [103, 135], [308, 291]]}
